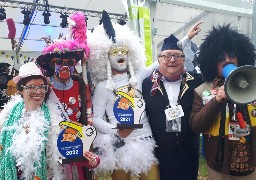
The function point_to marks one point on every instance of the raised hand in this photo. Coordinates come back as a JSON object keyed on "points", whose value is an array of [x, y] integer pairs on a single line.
{"points": [[194, 30]]}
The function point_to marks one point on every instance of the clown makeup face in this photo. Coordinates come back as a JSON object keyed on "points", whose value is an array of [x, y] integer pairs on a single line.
{"points": [[64, 68], [118, 57]]}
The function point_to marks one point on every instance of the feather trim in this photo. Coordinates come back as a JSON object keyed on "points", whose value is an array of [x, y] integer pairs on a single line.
{"points": [[55, 169], [110, 83], [28, 144], [132, 81], [100, 44], [136, 156], [11, 28], [7, 109], [107, 24]]}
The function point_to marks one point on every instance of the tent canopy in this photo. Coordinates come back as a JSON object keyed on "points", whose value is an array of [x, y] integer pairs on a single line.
{"points": [[172, 16], [37, 29]]}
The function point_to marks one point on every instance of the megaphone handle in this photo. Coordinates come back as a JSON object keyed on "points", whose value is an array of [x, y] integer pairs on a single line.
{"points": [[241, 121], [234, 113]]}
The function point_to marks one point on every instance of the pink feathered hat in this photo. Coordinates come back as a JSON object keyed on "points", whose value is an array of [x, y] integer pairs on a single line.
{"points": [[75, 48]]}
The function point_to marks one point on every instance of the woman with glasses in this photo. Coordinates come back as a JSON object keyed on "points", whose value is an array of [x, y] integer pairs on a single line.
{"points": [[29, 126]]}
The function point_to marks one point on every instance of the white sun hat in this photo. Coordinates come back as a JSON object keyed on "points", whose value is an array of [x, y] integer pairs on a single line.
{"points": [[28, 69], [17, 66]]}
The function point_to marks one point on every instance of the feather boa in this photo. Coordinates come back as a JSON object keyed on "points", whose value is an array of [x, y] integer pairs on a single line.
{"points": [[7, 109], [28, 148], [55, 170], [79, 31], [136, 156], [11, 28]]}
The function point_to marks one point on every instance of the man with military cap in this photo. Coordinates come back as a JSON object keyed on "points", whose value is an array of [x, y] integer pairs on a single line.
{"points": [[168, 94]]}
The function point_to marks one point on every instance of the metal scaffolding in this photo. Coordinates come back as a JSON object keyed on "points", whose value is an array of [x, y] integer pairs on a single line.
{"points": [[36, 6], [57, 9]]}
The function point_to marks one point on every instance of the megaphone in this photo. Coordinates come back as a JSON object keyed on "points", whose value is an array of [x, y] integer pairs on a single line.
{"points": [[240, 84]]}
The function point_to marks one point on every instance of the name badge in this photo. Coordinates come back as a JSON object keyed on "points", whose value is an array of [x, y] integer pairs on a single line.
{"points": [[174, 112]]}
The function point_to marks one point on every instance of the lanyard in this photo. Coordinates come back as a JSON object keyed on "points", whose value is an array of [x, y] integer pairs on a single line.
{"points": [[166, 99]]}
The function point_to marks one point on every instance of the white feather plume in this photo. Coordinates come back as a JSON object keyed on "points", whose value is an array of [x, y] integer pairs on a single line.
{"points": [[100, 44], [25, 150]]}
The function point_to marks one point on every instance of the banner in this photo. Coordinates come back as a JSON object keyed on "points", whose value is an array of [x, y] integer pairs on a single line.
{"points": [[140, 22]]}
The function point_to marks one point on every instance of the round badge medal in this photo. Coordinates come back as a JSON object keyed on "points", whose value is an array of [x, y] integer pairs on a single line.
{"points": [[69, 112], [72, 100], [253, 113]]}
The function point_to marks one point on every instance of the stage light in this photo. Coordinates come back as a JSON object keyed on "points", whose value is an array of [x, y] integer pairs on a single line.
{"points": [[86, 20], [2, 14], [121, 22], [46, 14], [64, 21], [26, 13]]}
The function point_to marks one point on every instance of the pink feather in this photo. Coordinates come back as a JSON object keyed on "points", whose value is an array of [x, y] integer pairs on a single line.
{"points": [[11, 28], [79, 38]]}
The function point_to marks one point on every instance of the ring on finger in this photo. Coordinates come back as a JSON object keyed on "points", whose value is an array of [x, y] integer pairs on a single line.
{"points": [[93, 158]]}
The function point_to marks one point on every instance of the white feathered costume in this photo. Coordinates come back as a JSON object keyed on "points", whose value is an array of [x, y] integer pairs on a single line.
{"points": [[136, 156]]}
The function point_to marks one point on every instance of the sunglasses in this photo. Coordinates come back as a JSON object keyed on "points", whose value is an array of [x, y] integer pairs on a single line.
{"points": [[230, 56], [60, 61], [115, 50]]}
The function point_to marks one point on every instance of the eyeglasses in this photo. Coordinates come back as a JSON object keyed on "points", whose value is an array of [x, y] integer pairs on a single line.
{"points": [[168, 57], [42, 88], [115, 50], [60, 61], [230, 56]]}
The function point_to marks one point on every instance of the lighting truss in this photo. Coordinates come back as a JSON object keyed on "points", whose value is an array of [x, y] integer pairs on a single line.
{"points": [[57, 9]]}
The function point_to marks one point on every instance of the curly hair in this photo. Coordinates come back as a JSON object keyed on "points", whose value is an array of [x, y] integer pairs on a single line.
{"points": [[100, 44], [224, 39]]}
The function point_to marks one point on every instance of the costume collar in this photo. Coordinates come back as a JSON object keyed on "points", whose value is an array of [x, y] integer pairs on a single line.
{"points": [[62, 86], [186, 77], [157, 76]]}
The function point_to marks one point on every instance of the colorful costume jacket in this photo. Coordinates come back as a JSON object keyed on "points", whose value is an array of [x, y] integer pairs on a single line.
{"points": [[72, 97]]}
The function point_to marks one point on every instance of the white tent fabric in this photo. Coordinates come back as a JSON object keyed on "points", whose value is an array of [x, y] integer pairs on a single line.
{"points": [[172, 16], [38, 30]]}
